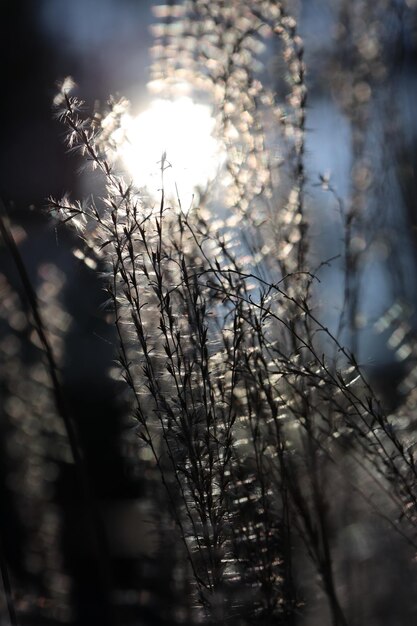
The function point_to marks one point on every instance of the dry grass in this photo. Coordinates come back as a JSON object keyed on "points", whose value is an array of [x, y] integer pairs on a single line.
{"points": [[249, 411]]}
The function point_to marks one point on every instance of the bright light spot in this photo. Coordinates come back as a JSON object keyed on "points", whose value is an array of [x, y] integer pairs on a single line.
{"points": [[182, 131]]}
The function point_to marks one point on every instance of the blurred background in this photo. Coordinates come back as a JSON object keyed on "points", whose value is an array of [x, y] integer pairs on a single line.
{"points": [[361, 58], [45, 537]]}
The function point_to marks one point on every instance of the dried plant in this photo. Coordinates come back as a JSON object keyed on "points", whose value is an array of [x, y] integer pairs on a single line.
{"points": [[250, 414]]}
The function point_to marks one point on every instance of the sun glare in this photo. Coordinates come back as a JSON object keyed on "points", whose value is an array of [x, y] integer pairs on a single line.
{"points": [[178, 135]]}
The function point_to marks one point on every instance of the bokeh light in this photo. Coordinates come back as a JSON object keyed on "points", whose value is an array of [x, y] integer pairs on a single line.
{"points": [[176, 138]]}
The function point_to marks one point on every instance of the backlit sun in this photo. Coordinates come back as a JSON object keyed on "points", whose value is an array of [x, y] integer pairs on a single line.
{"points": [[178, 135]]}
